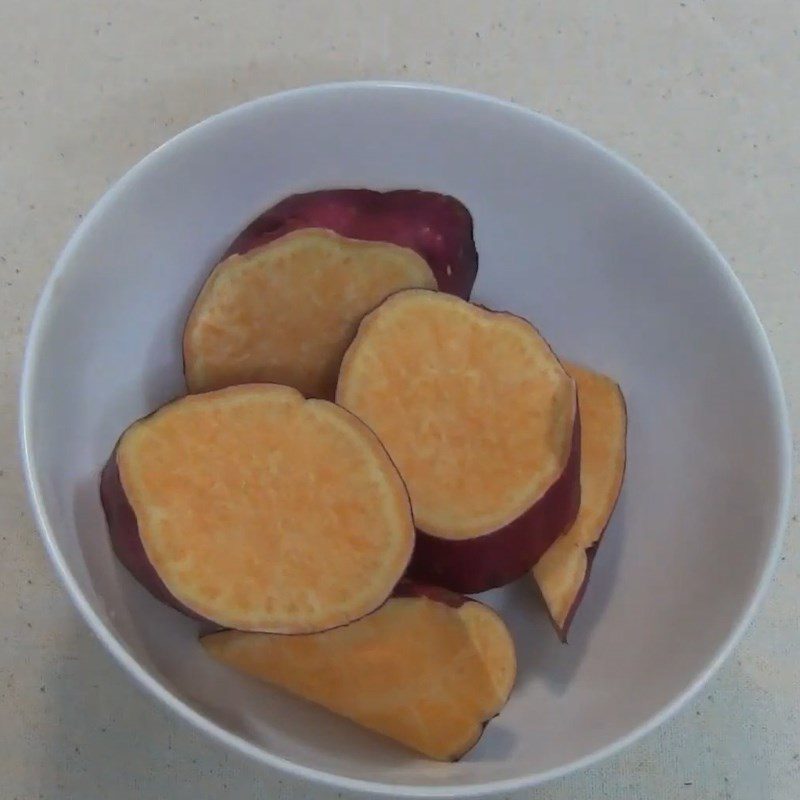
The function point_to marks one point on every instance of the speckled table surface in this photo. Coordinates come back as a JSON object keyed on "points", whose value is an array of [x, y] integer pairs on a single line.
{"points": [[701, 95]]}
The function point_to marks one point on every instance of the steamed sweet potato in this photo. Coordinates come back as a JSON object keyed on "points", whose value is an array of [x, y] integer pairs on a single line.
{"points": [[481, 420], [256, 509], [285, 312], [428, 669], [563, 571], [436, 226]]}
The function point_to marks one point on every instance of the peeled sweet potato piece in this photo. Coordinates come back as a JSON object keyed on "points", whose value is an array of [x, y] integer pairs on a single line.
{"points": [[254, 508], [436, 226], [428, 669], [563, 571], [286, 311], [481, 420]]}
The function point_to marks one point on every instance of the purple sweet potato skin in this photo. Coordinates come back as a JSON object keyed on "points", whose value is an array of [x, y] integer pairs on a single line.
{"points": [[475, 565], [438, 227], [125, 540]]}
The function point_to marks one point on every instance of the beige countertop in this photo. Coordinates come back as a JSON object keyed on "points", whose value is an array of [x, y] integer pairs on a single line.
{"points": [[703, 96]]}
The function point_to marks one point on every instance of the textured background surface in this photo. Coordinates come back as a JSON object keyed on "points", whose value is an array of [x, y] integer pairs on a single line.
{"points": [[703, 96]]}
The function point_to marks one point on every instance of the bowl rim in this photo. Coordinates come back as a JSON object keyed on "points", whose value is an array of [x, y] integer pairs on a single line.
{"points": [[185, 712]]}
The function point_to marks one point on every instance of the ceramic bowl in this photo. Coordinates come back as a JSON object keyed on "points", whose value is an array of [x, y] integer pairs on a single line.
{"points": [[611, 271]]}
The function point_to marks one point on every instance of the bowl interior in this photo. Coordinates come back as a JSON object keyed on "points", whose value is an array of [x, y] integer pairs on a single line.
{"points": [[607, 268]]}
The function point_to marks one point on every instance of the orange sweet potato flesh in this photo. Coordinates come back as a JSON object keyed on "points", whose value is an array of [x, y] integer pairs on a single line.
{"points": [[286, 311], [563, 571], [254, 508], [481, 420], [428, 672]]}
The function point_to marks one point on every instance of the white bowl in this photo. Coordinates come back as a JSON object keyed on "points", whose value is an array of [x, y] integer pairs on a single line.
{"points": [[608, 268]]}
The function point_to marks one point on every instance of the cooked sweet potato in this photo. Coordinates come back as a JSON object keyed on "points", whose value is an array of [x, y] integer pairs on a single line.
{"points": [[563, 571], [482, 422], [285, 312], [436, 226], [428, 669], [259, 510]]}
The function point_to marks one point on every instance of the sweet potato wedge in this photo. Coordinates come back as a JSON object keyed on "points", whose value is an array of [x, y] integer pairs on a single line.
{"points": [[481, 420], [286, 311], [428, 669], [256, 509], [436, 226], [563, 571]]}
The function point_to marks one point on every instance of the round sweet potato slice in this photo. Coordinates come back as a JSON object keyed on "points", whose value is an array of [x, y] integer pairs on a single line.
{"points": [[482, 421], [259, 510], [285, 312]]}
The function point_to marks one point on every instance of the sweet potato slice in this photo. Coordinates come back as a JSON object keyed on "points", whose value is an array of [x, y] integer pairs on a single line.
{"points": [[436, 226], [482, 422], [563, 571], [427, 671], [285, 312], [257, 509]]}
